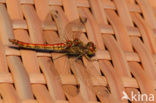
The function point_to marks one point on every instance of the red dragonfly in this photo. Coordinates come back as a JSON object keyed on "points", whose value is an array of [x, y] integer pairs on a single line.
{"points": [[73, 47]]}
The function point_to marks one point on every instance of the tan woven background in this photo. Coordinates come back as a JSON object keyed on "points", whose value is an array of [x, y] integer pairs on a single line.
{"points": [[124, 34]]}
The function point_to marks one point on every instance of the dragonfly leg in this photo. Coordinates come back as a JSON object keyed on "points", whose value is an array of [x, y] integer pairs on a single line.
{"points": [[87, 57], [59, 56], [90, 58], [79, 57]]}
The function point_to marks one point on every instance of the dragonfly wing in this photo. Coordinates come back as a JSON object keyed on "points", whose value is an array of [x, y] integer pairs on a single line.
{"points": [[61, 24], [75, 27], [70, 30]]}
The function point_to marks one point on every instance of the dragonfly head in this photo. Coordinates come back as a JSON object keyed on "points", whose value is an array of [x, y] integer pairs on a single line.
{"points": [[91, 49]]}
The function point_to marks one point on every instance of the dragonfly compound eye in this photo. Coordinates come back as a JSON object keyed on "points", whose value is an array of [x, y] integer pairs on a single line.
{"points": [[91, 49]]}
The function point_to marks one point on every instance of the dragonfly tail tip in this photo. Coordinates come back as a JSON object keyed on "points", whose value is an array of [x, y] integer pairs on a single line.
{"points": [[13, 41]]}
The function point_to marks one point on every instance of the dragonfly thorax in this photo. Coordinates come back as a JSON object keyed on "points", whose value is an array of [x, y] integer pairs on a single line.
{"points": [[78, 48], [68, 43]]}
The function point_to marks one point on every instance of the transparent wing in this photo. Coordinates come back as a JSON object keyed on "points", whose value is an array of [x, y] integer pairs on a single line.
{"points": [[68, 30], [60, 23], [75, 27]]}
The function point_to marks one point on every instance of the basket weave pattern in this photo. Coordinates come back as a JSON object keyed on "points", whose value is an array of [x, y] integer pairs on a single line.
{"points": [[124, 34]]}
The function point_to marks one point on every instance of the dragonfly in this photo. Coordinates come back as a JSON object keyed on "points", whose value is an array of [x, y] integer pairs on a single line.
{"points": [[73, 47]]}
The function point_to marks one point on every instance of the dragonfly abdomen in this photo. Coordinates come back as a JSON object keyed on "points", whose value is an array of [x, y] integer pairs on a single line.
{"points": [[54, 47]]}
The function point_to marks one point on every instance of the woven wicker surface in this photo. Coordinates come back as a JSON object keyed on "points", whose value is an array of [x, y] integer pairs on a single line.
{"points": [[124, 34]]}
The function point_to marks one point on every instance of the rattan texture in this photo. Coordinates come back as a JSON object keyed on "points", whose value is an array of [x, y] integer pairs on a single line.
{"points": [[124, 34]]}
